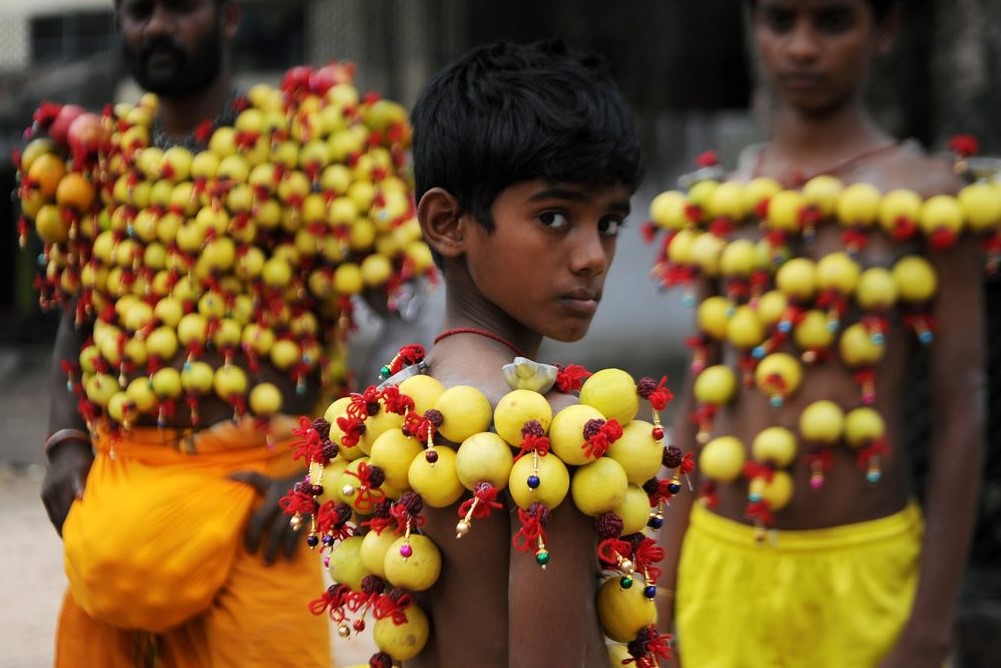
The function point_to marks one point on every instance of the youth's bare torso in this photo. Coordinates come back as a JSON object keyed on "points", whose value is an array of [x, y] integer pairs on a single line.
{"points": [[846, 496]]}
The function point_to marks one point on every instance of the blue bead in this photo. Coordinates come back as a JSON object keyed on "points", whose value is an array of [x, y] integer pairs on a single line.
{"points": [[673, 487], [757, 352], [754, 497], [873, 476], [877, 338], [650, 591], [312, 540], [688, 300], [533, 482], [926, 337], [655, 522], [776, 402], [785, 326]]}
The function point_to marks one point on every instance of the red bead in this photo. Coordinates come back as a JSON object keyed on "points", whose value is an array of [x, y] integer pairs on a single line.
{"points": [[359, 625], [658, 433]]}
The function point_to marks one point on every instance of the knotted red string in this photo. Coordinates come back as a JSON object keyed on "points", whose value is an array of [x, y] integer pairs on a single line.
{"points": [[646, 554], [533, 443], [687, 464], [754, 469], [332, 601], [486, 494], [821, 458], [297, 502], [570, 378], [761, 512], [352, 428], [657, 394], [395, 401], [531, 529], [365, 496], [365, 404], [611, 550], [877, 448], [308, 445], [597, 445], [401, 515], [384, 606]]}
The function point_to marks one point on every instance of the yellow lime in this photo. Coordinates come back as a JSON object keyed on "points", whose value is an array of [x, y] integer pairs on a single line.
{"points": [[484, 457], [637, 451], [394, 452], [466, 411], [345, 566], [613, 392], [424, 390], [624, 612], [776, 445], [412, 562], [599, 486], [402, 641], [374, 547], [438, 483], [518, 407], [553, 482], [566, 433], [722, 459], [634, 510]]}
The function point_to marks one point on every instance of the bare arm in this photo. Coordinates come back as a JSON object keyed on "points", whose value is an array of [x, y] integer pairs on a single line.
{"points": [[957, 378], [69, 461]]}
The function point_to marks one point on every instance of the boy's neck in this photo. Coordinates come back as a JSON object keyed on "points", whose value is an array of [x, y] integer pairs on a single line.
{"points": [[817, 142]]}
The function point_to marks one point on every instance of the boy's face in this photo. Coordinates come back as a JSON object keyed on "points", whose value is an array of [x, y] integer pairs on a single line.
{"points": [[546, 261], [816, 53], [173, 47]]}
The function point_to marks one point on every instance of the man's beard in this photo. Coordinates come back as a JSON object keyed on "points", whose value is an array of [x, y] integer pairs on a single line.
{"points": [[186, 73]]}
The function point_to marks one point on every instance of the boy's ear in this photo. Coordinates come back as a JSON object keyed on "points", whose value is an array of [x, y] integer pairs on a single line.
{"points": [[441, 222]]}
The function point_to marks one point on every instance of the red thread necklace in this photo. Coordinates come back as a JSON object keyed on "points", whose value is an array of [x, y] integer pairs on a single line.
{"points": [[480, 332]]}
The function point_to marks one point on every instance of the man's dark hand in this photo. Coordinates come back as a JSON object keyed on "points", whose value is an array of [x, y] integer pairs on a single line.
{"points": [[65, 478], [269, 519]]}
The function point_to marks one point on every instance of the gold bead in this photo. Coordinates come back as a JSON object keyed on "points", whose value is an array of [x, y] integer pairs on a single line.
{"points": [[343, 631], [462, 528]]}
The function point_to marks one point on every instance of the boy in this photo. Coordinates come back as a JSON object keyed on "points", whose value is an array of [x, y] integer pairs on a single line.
{"points": [[525, 158], [852, 575]]}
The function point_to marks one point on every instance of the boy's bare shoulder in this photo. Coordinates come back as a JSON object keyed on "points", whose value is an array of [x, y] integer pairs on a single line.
{"points": [[910, 167]]}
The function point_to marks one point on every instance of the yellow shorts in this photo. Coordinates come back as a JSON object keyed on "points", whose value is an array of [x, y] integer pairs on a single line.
{"points": [[827, 597]]}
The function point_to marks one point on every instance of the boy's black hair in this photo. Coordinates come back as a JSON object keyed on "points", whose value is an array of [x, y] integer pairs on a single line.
{"points": [[880, 8], [508, 113]]}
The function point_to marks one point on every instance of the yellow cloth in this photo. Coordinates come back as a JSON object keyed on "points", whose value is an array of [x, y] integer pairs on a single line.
{"points": [[822, 598], [157, 569]]}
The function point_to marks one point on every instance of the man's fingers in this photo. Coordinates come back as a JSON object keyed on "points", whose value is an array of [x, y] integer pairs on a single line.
{"points": [[260, 482]]}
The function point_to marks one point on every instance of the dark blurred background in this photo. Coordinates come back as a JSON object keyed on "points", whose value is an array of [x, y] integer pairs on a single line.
{"points": [[683, 66]]}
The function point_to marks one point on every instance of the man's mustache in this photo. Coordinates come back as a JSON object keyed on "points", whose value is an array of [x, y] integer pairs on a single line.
{"points": [[158, 44]]}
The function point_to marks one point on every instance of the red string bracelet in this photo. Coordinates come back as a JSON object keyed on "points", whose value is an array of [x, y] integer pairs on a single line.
{"points": [[480, 332]]}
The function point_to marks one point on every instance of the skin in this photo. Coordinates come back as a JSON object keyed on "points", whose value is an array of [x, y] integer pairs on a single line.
{"points": [[186, 25], [539, 273], [811, 131]]}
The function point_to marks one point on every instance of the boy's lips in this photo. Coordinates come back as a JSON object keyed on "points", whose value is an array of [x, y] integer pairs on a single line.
{"points": [[581, 300], [801, 80]]}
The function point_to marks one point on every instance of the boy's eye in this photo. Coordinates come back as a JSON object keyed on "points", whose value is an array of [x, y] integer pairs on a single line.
{"points": [[611, 227], [553, 219], [835, 21], [778, 20]]}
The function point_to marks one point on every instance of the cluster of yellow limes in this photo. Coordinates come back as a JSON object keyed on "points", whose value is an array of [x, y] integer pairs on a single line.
{"points": [[421, 441], [248, 240]]}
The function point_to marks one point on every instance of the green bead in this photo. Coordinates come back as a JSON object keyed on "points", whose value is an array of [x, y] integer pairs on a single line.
{"points": [[542, 557], [384, 372], [625, 582]]}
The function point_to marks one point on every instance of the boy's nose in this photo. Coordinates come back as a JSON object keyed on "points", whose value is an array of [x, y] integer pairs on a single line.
{"points": [[802, 42], [590, 255]]}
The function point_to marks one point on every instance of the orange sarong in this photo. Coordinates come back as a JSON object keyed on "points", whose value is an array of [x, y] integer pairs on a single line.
{"points": [[157, 569]]}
